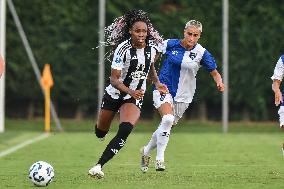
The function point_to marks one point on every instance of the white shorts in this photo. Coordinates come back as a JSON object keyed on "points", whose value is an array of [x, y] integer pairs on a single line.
{"points": [[178, 107], [159, 99]]}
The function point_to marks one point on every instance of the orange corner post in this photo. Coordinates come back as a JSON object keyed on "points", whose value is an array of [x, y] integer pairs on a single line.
{"points": [[47, 83]]}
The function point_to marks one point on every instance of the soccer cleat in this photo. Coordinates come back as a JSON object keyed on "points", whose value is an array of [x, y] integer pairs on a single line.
{"points": [[101, 139], [160, 165], [96, 172], [144, 165]]}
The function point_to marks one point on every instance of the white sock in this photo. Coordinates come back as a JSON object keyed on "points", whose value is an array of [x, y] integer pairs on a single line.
{"points": [[152, 144], [163, 134], [281, 115]]}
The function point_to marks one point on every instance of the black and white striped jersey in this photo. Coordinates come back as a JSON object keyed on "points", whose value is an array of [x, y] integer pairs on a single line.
{"points": [[134, 65]]}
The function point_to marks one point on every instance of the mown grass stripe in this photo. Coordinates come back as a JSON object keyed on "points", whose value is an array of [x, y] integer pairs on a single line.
{"points": [[23, 144]]}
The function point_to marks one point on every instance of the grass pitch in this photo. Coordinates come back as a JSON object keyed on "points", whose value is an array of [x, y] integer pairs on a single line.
{"points": [[198, 156]]}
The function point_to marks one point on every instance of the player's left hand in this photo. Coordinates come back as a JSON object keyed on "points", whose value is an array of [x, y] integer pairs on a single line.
{"points": [[220, 86], [278, 97], [162, 88]]}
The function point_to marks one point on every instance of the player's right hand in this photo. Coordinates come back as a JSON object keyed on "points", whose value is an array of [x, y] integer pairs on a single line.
{"points": [[137, 94], [162, 88]]}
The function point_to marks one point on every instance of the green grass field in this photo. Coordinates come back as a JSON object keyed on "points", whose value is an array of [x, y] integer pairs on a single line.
{"points": [[198, 156]]}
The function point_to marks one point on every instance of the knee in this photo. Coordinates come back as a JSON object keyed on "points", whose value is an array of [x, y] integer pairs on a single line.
{"points": [[168, 119]]}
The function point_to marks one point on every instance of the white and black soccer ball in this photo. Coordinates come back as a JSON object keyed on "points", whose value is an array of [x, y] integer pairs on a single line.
{"points": [[41, 173]]}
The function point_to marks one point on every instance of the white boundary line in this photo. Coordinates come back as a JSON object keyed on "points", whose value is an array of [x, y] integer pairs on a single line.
{"points": [[23, 144], [207, 165]]}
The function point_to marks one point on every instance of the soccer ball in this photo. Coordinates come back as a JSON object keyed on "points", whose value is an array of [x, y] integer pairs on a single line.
{"points": [[41, 173]]}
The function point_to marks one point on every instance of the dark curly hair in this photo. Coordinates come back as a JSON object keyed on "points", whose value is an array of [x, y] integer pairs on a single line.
{"points": [[118, 31]]}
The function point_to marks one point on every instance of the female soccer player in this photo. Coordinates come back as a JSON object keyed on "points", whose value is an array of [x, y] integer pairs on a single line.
{"points": [[277, 78], [136, 43], [183, 58], [2, 64]]}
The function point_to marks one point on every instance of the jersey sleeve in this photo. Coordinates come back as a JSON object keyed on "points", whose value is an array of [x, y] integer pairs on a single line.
{"points": [[208, 61], [163, 46], [117, 61], [279, 69], [154, 45], [155, 49], [154, 52]]}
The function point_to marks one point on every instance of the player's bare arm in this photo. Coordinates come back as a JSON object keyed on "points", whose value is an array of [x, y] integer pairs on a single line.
{"points": [[162, 88], [218, 80], [116, 83], [277, 92], [151, 76]]}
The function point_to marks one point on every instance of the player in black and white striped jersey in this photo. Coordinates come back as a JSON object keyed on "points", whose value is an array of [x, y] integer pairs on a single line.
{"points": [[133, 62]]}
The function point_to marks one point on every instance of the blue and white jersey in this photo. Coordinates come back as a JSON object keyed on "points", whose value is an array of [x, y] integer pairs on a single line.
{"points": [[279, 69], [180, 67]]}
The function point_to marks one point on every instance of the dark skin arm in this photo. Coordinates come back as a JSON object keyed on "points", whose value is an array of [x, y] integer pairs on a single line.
{"points": [[154, 78], [116, 83]]}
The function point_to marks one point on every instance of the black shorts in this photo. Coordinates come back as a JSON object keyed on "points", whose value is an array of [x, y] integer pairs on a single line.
{"points": [[108, 103]]}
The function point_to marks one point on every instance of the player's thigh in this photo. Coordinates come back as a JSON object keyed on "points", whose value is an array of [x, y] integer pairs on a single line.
{"points": [[129, 112], [163, 103], [104, 119], [179, 109], [109, 107]]}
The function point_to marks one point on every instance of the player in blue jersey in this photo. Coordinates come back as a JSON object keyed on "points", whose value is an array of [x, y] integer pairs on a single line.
{"points": [[183, 58], [277, 79], [278, 94]]}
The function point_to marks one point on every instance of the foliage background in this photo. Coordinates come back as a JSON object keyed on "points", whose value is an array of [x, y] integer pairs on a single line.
{"points": [[65, 33]]}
